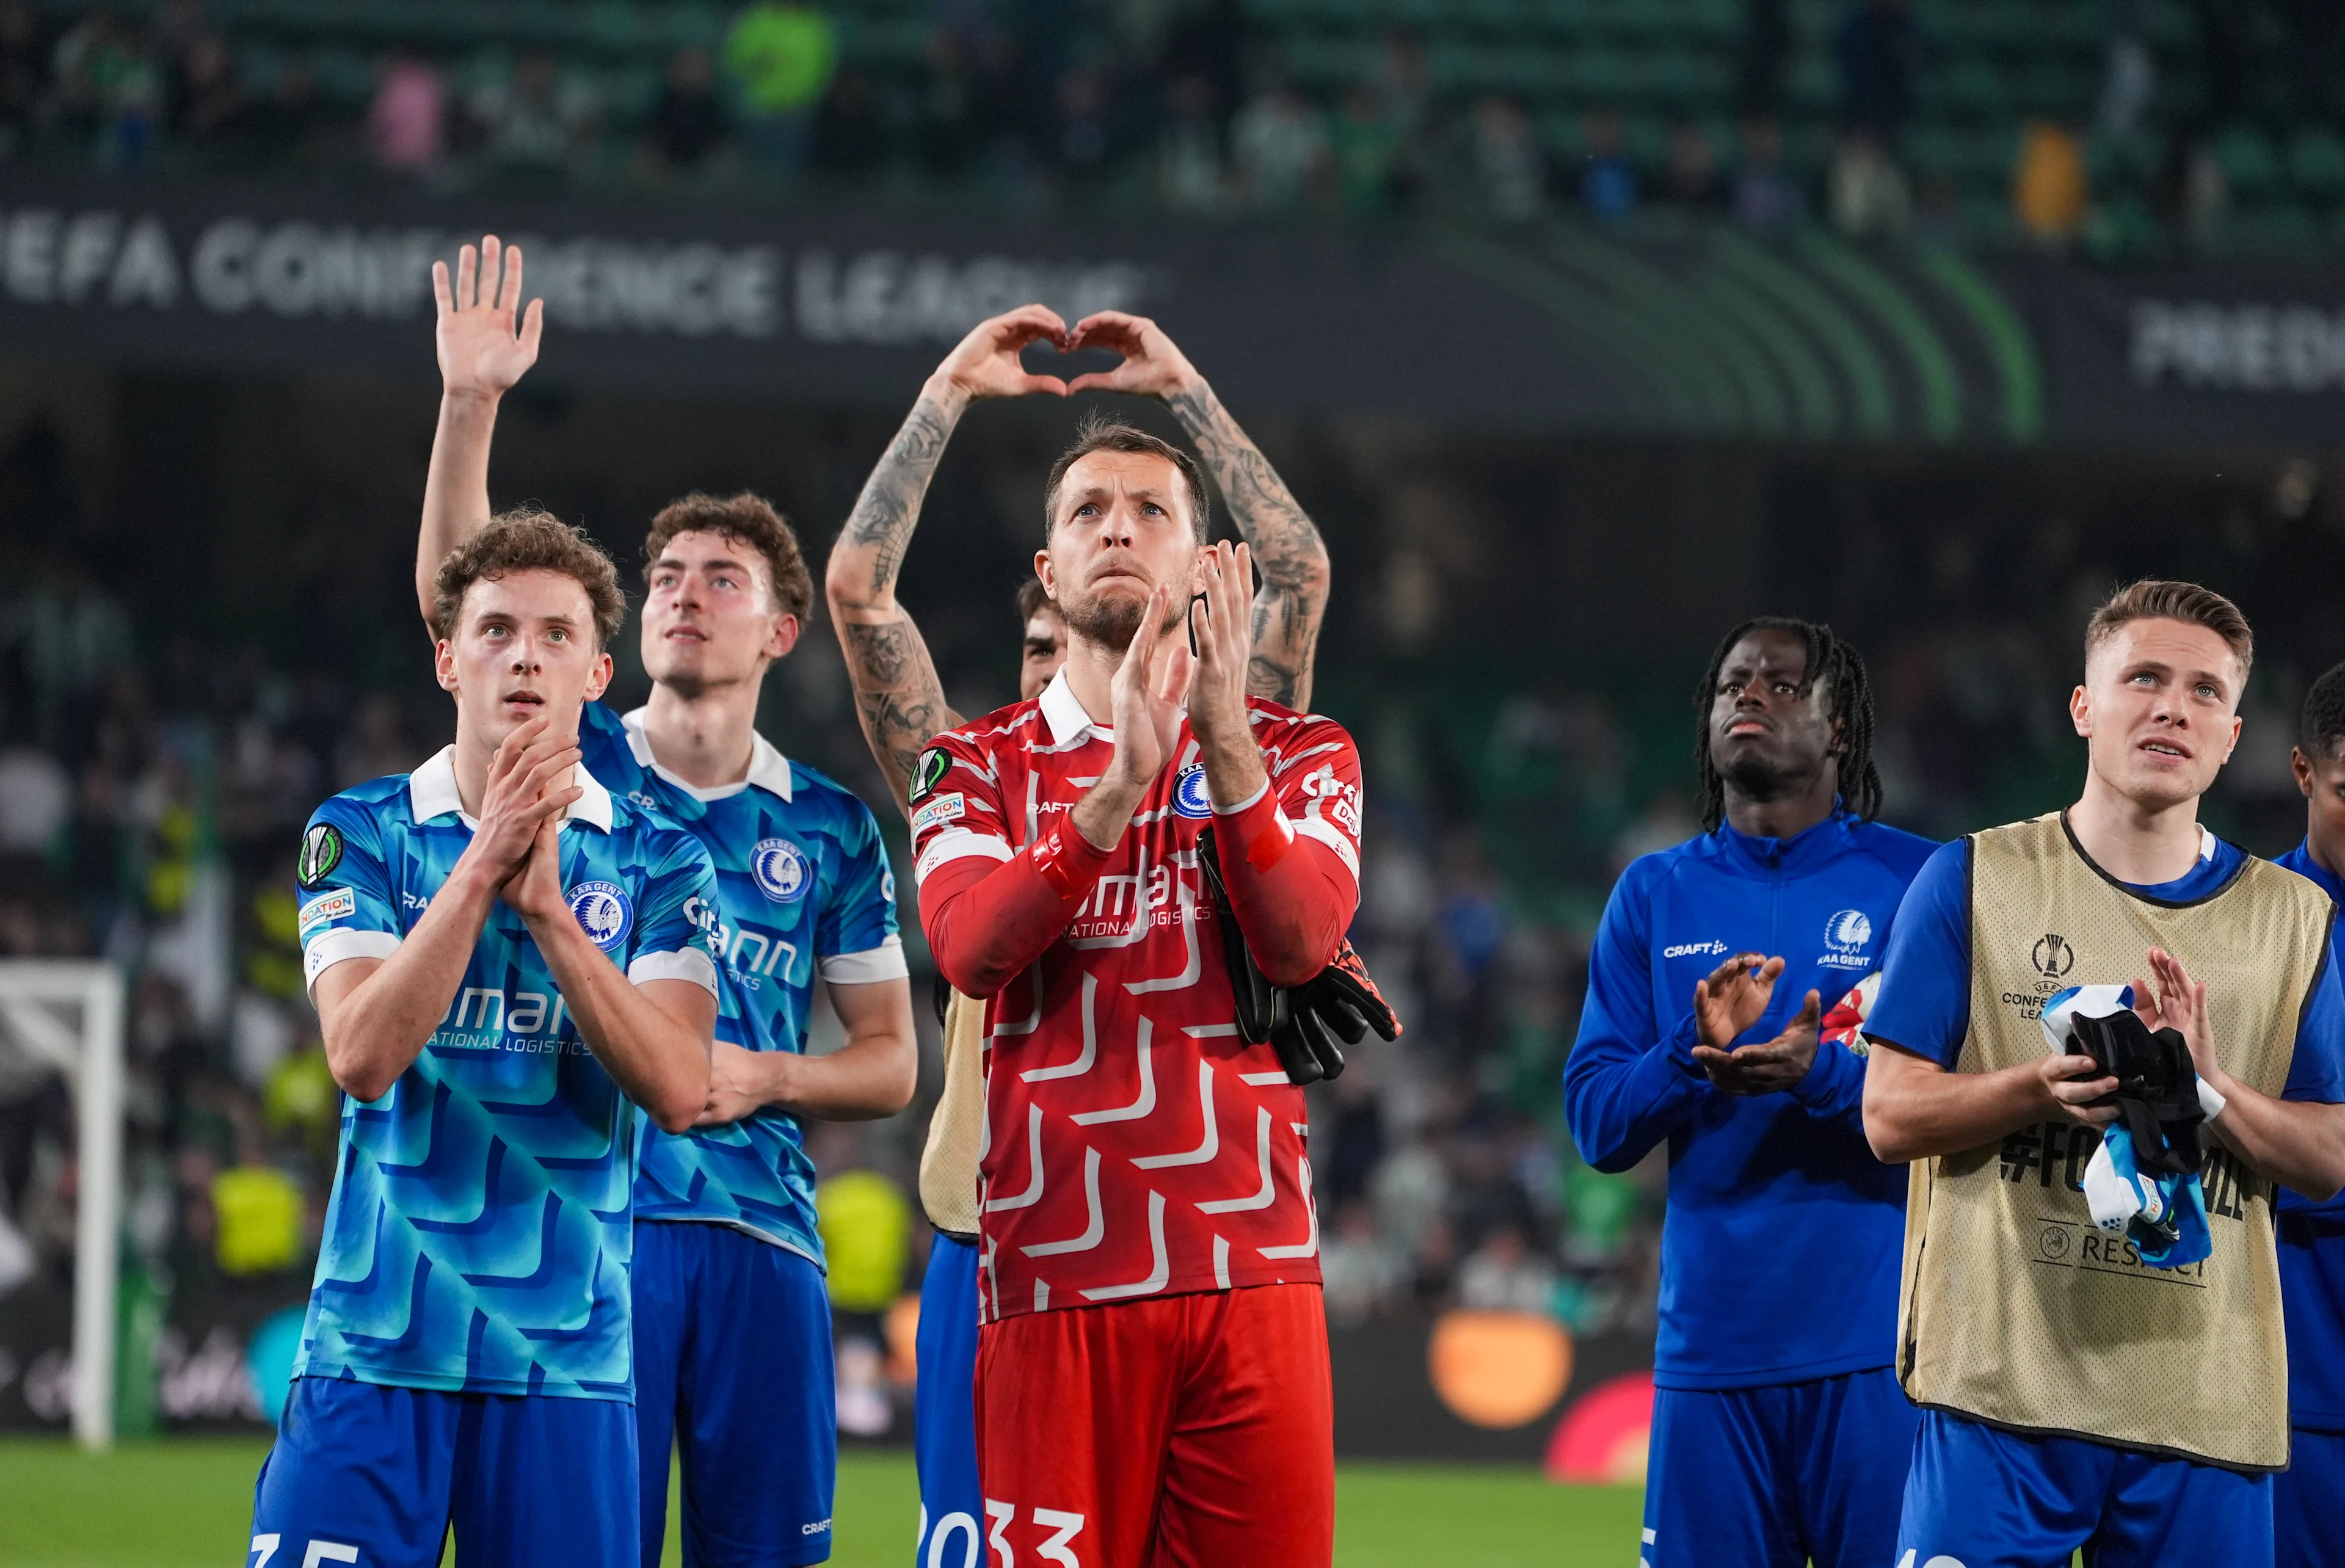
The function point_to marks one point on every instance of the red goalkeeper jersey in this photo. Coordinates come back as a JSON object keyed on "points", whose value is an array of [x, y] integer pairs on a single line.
{"points": [[1134, 1146]]}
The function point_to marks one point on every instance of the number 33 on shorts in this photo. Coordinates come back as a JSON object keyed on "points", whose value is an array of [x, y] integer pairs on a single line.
{"points": [[264, 1548], [1066, 1526]]}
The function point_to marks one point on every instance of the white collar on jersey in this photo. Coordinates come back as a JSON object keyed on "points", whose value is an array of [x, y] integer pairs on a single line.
{"points": [[431, 792], [1063, 711], [768, 769]]}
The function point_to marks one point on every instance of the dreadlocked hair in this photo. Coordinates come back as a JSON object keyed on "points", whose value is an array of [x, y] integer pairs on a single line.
{"points": [[2321, 727], [1841, 668]]}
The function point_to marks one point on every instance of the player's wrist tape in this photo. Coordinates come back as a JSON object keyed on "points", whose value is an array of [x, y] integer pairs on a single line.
{"points": [[1068, 860], [2210, 1100], [1259, 826]]}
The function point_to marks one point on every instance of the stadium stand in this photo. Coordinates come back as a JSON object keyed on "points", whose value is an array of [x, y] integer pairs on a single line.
{"points": [[2198, 126]]}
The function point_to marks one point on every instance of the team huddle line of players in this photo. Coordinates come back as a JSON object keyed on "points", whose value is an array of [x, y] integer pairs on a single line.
{"points": [[564, 972]]}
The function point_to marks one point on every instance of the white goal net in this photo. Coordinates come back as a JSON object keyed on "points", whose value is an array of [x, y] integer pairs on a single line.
{"points": [[70, 1013]]}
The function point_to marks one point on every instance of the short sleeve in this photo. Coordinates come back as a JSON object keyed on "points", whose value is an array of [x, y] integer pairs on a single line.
{"points": [[1317, 776], [2317, 1071], [349, 907], [1924, 1005], [678, 907], [855, 938], [956, 803]]}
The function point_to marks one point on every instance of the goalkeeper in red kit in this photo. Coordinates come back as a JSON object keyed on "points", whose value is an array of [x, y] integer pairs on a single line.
{"points": [[1110, 865]]}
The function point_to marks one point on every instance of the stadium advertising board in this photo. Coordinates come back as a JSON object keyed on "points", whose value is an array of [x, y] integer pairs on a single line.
{"points": [[1699, 331], [2205, 357]]}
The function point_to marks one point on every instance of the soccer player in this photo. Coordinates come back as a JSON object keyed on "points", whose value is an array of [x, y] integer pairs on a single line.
{"points": [[903, 707], [1153, 1373], [2312, 1235], [502, 953], [731, 1327], [1778, 1431], [2073, 1393]]}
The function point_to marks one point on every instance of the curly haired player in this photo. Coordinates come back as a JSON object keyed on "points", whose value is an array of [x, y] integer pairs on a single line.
{"points": [[733, 1368]]}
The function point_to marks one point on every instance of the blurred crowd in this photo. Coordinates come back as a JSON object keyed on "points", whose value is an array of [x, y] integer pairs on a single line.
{"points": [[2140, 124]]}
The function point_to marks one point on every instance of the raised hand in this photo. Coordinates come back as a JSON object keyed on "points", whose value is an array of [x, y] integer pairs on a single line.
{"points": [[486, 341], [2179, 1003], [1153, 366], [529, 787], [985, 364], [1147, 710], [1731, 998], [1221, 625]]}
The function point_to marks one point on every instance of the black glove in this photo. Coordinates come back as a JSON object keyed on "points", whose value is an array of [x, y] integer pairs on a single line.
{"points": [[1307, 1025], [2157, 1088]]}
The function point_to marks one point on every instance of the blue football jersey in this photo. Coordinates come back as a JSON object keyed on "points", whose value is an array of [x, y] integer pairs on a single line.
{"points": [[803, 888], [480, 1231]]}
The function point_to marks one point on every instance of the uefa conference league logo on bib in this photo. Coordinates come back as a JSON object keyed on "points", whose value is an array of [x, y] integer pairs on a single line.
{"points": [[604, 912]]}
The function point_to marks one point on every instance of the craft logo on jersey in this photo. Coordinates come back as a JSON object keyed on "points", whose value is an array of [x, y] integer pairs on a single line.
{"points": [[929, 771], [2052, 955], [1189, 796], [604, 912], [780, 868], [321, 851]]}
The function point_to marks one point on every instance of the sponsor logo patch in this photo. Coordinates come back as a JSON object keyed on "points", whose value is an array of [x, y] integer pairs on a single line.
{"points": [[321, 851], [941, 808], [1189, 796], [339, 904], [604, 912], [1695, 950], [780, 869]]}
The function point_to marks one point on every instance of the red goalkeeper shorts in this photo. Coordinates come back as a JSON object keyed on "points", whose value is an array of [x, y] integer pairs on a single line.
{"points": [[1192, 1432]]}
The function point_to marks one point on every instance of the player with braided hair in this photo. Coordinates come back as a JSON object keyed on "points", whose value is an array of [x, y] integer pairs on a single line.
{"points": [[2312, 1235], [1778, 1433], [1839, 670]]}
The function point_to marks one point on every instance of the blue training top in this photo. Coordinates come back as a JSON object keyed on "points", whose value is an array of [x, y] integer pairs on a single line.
{"points": [[2312, 1255], [803, 887], [1780, 1251], [479, 1236]]}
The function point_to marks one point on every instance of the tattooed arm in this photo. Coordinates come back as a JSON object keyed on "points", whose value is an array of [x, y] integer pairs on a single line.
{"points": [[1287, 550], [898, 696], [486, 343]]}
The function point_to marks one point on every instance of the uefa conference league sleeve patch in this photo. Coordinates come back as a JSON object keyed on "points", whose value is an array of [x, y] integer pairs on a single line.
{"points": [[321, 851], [929, 771]]}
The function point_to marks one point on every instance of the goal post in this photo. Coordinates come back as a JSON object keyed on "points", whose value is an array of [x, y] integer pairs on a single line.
{"points": [[70, 1012]]}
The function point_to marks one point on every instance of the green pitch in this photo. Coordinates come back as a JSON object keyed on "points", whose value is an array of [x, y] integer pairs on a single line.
{"points": [[187, 1502]]}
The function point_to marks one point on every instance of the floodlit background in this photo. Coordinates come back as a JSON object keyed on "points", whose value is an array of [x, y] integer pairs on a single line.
{"points": [[1583, 329]]}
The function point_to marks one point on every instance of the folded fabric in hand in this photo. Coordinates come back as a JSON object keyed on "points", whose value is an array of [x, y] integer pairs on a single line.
{"points": [[2143, 1181]]}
